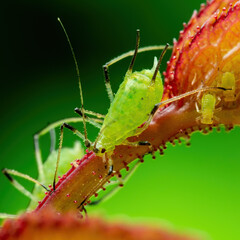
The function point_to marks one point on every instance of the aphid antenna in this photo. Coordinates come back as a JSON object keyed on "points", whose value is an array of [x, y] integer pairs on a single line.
{"points": [[6, 215], [203, 89], [173, 99], [53, 140], [140, 50], [135, 51], [86, 142], [159, 63], [9, 172]]}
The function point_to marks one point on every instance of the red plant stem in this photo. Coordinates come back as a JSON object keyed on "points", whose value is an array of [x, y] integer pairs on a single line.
{"points": [[91, 174]]}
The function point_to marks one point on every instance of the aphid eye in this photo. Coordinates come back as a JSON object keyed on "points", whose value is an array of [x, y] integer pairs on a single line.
{"points": [[142, 98], [95, 150], [103, 150]]}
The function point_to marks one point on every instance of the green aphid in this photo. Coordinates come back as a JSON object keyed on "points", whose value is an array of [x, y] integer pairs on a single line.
{"points": [[45, 171], [134, 105], [68, 155], [228, 81], [131, 107], [208, 103]]}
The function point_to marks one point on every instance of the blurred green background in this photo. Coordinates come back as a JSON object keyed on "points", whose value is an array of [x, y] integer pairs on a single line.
{"points": [[192, 189]]}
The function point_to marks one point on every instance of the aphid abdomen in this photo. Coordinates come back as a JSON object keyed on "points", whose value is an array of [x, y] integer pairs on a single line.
{"points": [[208, 103], [132, 104], [228, 81]]}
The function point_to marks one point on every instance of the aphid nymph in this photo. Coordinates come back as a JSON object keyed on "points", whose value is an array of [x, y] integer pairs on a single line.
{"points": [[228, 81], [208, 103]]}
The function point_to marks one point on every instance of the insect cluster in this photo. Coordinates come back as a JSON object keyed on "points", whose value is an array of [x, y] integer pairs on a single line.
{"points": [[140, 99]]}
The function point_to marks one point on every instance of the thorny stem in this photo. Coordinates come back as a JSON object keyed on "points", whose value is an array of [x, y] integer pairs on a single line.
{"points": [[173, 122]]}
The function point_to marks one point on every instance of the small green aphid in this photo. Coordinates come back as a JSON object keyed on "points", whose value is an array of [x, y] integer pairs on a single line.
{"points": [[137, 95], [46, 169], [228, 81], [208, 104], [69, 156], [209, 101]]}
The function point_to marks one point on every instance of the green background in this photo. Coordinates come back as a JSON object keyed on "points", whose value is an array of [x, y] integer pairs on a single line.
{"points": [[194, 189]]}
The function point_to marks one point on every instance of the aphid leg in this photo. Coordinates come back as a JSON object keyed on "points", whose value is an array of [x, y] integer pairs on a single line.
{"points": [[79, 134], [110, 163], [107, 83], [104, 179], [110, 170], [88, 119], [85, 211], [140, 50], [218, 100], [197, 107], [219, 109], [82, 209], [98, 115], [6, 215], [105, 68], [38, 157], [99, 184], [59, 123], [53, 140], [217, 119], [17, 185], [110, 166], [47, 129], [199, 119], [237, 96], [118, 185], [140, 143]]}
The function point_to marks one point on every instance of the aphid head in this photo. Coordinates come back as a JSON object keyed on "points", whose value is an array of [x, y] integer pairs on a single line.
{"points": [[208, 101]]}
